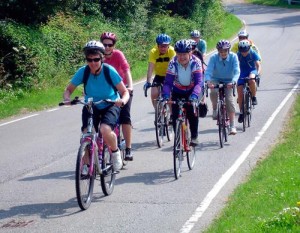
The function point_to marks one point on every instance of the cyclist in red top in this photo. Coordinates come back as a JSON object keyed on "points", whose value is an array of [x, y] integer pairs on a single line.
{"points": [[116, 58]]}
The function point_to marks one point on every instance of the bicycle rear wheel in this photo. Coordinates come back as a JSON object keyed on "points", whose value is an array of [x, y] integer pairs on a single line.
{"points": [[159, 126], [84, 183], [108, 175], [177, 149], [221, 125], [168, 127], [191, 157]]}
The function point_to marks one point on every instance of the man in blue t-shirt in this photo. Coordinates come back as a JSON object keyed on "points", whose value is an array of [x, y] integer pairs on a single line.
{"points": [[99, 88], [250, 67]]}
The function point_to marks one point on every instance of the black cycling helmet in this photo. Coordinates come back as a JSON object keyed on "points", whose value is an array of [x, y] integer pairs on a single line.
{"points": [[163, 39], [183, 46]]}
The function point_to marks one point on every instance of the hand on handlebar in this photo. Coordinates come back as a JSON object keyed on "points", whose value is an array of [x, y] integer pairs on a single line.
{"points": [[146, 86]]}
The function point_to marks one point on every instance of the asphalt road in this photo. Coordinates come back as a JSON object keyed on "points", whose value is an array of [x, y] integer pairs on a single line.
{"points": [[38, 154]]}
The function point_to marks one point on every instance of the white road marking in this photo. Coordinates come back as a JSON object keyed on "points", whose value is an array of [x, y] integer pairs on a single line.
{"points": [[52, 110], [23, 118], [187, 227]]}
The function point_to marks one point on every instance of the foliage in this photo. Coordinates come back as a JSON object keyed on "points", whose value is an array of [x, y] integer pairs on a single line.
{"points": [[47, 51]]}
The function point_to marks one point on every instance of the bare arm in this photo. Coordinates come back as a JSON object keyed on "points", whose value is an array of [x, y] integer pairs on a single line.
{"points": [[124, 94], [258, 66], [129, 80], [68, 91], [150, 71]]}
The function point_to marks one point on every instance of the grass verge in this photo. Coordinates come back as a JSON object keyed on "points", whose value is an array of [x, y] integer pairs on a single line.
{"points": [[278, 3], [268, 201], [43, 99]]}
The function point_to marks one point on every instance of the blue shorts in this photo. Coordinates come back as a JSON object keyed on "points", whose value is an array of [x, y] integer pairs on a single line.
{"points": [[243, 75]]}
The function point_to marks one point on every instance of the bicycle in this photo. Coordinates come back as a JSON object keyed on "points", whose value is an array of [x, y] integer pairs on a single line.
{"points": [[93, 160], [162, 118], [222, 115], [182, 139]]}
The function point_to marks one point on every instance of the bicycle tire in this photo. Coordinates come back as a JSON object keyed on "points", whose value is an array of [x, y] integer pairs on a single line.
{"points": [[244, 110], [178, 150], [108, 175], [122, 148], [191, 157], [221, 126], [159, 129], [168, 126], [249, 108], [84, 183]]}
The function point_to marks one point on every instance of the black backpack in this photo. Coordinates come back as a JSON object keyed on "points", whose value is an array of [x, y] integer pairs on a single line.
{"points": [[87, 72]]}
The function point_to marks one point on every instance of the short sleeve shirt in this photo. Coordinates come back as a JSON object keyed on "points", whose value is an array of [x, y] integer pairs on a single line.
{"points": [[161, 61], [97, 87]]}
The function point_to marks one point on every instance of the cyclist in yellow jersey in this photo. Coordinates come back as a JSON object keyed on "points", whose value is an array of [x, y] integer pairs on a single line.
{"points": [[159, 58], [244, 35]]}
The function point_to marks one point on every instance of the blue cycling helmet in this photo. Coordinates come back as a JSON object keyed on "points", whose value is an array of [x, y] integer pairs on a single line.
{"points": [[223, 44], [163, 39], [244, 45], [183, 46]]}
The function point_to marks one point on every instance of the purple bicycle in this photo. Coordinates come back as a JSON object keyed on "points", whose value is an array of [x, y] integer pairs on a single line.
{"points": [[93, 160]]}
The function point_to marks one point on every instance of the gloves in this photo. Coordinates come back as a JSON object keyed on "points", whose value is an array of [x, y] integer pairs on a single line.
{"points": [[147, 85], [165, 97], [193, 97]]}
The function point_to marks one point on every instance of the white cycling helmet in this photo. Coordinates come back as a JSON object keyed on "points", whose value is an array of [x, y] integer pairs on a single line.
{"points": [[195, 34], [243, 33], [244, 45], [94, 45]]}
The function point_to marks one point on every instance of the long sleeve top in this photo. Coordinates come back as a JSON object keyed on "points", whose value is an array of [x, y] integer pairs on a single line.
{"points": [[182, 80], [219, 70]]}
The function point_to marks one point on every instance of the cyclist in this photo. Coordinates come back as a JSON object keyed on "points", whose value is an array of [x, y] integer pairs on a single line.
{"points": [[250, 67], [244, 35], [159, 58], [223, 67], [184, 79], [99, 88], [116, 58], [201, 44]]}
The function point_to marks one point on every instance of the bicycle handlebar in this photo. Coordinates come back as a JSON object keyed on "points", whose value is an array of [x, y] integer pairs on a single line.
{"points": [[152, 85], [76, 100], [218, 86], [181, 102]]}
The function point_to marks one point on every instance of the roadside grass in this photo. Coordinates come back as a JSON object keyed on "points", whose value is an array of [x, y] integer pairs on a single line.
{"points": [[267, 202], [46, 98], [279, 3]]}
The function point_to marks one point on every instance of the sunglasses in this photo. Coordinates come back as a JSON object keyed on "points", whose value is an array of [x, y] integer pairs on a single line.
{"points": [[93, 59], [108, 45]]}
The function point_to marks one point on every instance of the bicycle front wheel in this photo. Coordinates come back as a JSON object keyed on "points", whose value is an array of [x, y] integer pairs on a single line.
{"points": [[108, 175], [159, 124], [178, 149], [84, 182]]}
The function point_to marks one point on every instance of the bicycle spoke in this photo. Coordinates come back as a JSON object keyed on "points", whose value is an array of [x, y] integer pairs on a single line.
{"points": [[84, 182], [177, 150], [108, 176]]}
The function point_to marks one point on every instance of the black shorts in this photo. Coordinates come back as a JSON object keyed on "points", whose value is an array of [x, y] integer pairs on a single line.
{"points": [[125, 117], [108, 116], [158, 79]]}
